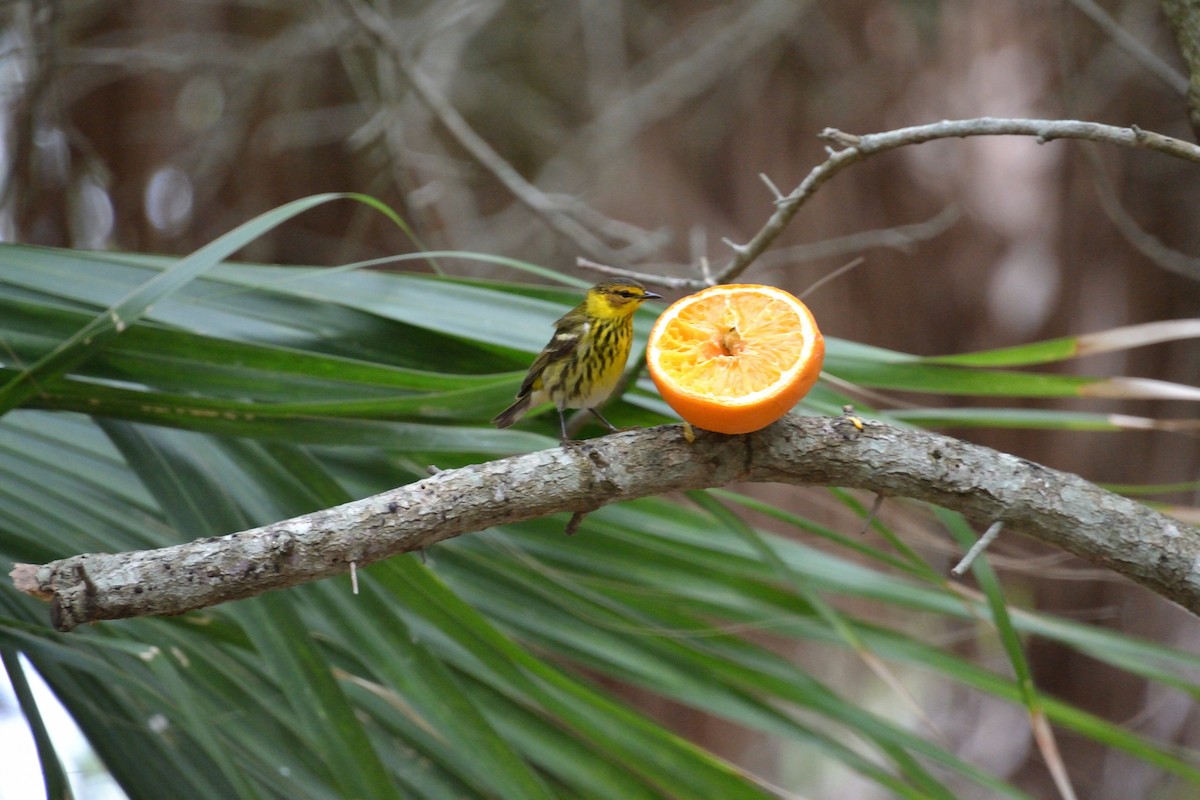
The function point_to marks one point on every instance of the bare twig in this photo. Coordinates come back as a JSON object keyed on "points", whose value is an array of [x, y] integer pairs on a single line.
{"points": [[1131, 45], [901, 237], [649, 278], [1168, 258], [833, 276], [709, 50], [984, 542], [857, 148], [778, 195], [574, 522], [983, 484], [1184, 16], [875, 506], [640, 241], [533, 198]]}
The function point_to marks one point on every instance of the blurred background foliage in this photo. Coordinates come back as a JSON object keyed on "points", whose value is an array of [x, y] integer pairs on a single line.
{"points": [[716, 645]]}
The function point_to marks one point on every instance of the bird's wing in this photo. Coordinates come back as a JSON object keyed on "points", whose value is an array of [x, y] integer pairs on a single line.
{"points": [[570, 329]]}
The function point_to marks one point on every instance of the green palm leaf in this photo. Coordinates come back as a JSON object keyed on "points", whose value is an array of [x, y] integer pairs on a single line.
{"points": [[235, 395]]}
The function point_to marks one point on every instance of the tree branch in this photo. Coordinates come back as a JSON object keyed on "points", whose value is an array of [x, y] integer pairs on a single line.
{"points": [[985, 485], [384, 33], [857, 148], [1184, 16], [1126, 41], [900, 237]]}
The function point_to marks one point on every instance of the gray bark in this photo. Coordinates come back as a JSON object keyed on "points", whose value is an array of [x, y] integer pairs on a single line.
{"points": [[985, 485]]}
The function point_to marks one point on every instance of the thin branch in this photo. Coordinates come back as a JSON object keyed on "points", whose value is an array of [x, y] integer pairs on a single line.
{"points": [[857, 148], [711, 48], [872, 513], [649, 278], [1132, 46], [1165, 257], [984, 542], [765, 178], [983, 484], [533, 198], [833, 276], [900, 237], [639, 241], [1184, 16]]}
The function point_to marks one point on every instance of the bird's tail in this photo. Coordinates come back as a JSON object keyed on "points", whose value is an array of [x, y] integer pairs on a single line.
{"points": [[513, 413]]}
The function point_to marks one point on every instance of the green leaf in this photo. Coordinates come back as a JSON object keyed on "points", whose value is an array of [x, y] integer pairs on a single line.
{"points": [[503, 666], [117, 317], [57, 787], [1068, 347]]}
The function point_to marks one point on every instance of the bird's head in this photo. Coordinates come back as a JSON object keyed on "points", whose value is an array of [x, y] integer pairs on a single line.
{"points": [[619, 297]]}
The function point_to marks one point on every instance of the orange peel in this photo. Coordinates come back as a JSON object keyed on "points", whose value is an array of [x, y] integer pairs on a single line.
{"points": [[735, 358]]}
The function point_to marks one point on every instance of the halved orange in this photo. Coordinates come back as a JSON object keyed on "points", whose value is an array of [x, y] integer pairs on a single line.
{"points": [[735, 358]]}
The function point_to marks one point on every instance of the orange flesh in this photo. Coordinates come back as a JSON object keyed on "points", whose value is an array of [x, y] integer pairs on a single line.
{"points": [[717, 350]]}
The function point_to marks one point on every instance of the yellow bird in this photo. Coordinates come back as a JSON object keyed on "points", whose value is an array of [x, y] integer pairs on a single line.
{"points": [[584, 361]]}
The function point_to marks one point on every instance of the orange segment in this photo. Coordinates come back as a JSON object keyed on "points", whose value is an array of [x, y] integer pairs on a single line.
{"points": [[734, 359]]}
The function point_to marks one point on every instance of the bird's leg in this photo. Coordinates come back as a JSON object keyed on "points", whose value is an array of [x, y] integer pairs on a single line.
{"points": [[562, 424], [600, 417]]}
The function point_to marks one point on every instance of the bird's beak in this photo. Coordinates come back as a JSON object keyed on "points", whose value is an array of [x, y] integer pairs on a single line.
{"points": [[652, 296]]}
